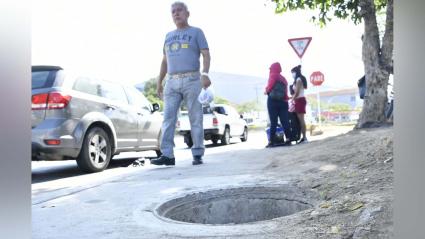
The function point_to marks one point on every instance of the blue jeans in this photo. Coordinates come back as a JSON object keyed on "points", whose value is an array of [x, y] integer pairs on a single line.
{"points": [[175, 91], [278, 109]]}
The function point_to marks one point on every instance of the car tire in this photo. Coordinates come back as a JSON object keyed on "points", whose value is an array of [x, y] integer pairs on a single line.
{"points": [[244, 136], [188, 140], [214, 141], [225, 139], [95, 152]]}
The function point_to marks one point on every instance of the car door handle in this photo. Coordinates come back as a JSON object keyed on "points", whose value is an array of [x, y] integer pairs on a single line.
{"points": [[140, 113], [111, 107]]}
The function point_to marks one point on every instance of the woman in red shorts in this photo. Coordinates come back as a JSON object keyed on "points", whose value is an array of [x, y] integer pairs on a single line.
{"points": [[297, 91]]}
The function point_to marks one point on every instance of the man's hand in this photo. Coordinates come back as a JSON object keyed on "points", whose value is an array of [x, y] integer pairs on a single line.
{"points": [[162, 73], [206, 82], [159, 91]]}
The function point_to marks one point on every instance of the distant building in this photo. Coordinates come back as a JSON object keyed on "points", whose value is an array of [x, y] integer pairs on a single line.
{"points": [[344, 96], [340, 116]]}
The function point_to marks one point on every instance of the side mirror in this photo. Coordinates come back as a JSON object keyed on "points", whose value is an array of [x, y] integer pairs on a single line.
{"points": [[155, 107], [241, 116]]}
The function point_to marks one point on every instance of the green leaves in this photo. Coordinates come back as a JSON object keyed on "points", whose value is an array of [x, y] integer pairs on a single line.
{"points": [[221, 100], [249, 106], [149, 90], [380, 4], [340, 107], [327, 9]]}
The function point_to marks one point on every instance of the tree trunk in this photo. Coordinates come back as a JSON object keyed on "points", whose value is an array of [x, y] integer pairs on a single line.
{"points": [[388, 40], [376, 65]]}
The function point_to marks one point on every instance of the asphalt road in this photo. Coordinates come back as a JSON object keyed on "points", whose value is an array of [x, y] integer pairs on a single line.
{"points": [[51, 176]]}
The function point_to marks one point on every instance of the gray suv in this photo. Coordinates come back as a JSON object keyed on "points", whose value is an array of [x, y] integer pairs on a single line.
{"points": [[90, 120]]}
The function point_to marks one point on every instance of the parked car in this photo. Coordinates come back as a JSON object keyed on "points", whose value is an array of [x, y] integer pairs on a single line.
{"points": [[221, 122], [89, 120]]}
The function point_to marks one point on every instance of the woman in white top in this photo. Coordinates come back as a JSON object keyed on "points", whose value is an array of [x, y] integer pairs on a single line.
{"points": [[300, 102]]}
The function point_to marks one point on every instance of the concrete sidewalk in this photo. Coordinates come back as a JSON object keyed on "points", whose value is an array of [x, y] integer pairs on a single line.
{"points": [[124, 207]]}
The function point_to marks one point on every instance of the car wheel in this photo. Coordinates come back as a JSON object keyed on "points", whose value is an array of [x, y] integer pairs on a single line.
{"points": [[95, 153], [225, 139], [188, 140], [244, 136]]}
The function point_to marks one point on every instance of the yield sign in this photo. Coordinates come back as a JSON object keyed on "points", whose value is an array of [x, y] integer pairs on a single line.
{"points": [[300, 45]]}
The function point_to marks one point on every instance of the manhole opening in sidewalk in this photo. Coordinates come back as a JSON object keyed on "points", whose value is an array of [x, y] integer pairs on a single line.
{"points": [[235, 206]]}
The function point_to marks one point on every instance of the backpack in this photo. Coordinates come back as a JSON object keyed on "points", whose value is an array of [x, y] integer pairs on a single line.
{"points": [[294, 127], [362, 87], [278, 91]]}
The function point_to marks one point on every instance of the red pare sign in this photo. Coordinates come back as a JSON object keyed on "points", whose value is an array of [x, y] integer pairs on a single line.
{"points": [[317, 78]]}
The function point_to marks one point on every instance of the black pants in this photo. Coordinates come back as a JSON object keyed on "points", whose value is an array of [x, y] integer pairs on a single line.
{"points": [[278, 109]]}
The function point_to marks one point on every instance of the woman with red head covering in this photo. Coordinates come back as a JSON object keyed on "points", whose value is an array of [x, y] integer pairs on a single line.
{"points": [[277, 103]]}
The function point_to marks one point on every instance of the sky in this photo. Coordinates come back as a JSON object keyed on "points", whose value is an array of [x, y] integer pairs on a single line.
{"points": [[122, 40]]}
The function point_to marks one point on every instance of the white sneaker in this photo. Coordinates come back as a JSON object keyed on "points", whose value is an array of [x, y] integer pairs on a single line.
{"points": [[302, 141]]}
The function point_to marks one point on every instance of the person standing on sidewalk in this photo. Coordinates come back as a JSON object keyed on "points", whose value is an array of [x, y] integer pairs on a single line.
{"points": [[182, 49], [300, 102], [277, 103]]}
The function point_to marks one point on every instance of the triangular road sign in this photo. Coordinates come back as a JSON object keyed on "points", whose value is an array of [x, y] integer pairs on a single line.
{"points": [[300, 45]]}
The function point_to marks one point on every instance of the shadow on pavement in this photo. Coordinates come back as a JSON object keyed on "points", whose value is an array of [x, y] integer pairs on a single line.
{"points": [[218, 145], [61, 171]]}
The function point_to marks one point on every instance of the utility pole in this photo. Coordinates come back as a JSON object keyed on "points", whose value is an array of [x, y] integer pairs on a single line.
{"points": [[256, 92]]}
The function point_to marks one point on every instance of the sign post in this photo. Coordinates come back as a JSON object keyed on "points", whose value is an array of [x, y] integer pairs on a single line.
{"points": [[300, 45], [317, 78], [319, 117]]}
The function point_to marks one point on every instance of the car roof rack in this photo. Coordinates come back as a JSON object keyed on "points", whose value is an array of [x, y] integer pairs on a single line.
{"points": [[46, 68]]}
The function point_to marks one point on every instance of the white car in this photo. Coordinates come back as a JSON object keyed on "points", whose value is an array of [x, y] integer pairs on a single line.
{"points": [[221, 122]]}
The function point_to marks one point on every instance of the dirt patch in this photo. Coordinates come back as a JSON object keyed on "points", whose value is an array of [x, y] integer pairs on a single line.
{"points": [[353, 174]]}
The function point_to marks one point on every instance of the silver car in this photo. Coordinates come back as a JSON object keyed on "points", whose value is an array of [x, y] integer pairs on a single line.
{"points": [[89, 120]]}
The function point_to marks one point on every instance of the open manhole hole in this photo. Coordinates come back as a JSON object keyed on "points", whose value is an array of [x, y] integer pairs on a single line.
{"points": [[236, 205]]}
